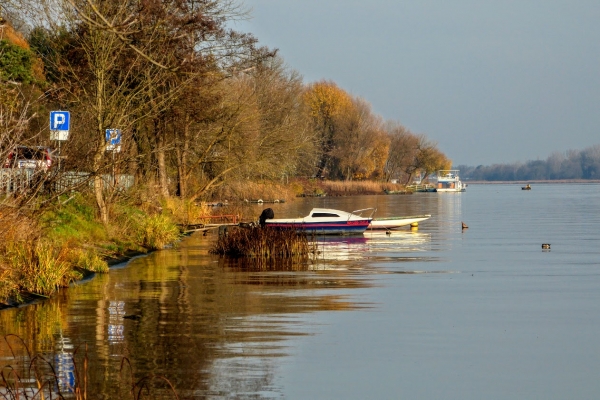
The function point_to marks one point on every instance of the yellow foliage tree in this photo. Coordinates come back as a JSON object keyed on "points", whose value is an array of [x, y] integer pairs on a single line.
{"points": [[326, 102]]}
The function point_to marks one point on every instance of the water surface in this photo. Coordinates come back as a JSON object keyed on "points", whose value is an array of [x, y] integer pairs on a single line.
{"points": [[439, 312]]}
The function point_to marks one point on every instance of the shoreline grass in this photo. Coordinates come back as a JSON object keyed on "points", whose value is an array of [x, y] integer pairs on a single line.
{"points": [[41, 253]]}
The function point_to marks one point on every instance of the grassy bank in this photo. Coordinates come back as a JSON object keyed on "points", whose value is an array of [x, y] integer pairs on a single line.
{"points": [[44, 250]]}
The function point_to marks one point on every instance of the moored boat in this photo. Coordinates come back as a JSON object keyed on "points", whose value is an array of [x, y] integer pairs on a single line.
{"points": [[397, 222], [326, 221], [449, 181]]}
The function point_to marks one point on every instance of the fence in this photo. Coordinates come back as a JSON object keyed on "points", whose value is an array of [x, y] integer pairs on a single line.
{"points": [[13, 180]]}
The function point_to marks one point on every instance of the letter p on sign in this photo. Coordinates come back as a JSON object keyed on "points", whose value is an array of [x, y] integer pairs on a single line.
{"points": [[59, 120]]}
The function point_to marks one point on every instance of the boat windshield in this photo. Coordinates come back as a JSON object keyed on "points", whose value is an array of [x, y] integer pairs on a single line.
{"points": [[324, 215]]}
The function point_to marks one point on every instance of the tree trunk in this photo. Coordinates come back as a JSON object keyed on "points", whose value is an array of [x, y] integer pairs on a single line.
{"points": [[98, 182], [99, 186], [162, 165], [182, 158]]}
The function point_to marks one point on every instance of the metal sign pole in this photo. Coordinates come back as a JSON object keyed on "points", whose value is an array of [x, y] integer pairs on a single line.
{"points": [[113, 170]]}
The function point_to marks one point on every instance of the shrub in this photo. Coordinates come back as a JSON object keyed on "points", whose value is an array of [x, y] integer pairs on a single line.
{"points": [[157, 231]]}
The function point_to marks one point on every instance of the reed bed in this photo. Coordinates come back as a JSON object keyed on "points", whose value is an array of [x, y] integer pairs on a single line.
{"points": [[347, 188], [264, 243]]}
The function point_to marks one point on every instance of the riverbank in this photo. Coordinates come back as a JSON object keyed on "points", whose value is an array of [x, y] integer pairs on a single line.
{"points": [[58, 241]]}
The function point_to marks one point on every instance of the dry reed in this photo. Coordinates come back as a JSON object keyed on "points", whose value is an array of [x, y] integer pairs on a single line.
{"points": [[262, 243], [347, 188]]}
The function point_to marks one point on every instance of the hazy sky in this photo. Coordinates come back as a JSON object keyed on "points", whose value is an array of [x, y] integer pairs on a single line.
{"points": [[491, 81]]}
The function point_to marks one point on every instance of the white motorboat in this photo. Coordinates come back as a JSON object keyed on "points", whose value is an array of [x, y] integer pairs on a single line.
{"points": [[449, 181], [326, 221]]}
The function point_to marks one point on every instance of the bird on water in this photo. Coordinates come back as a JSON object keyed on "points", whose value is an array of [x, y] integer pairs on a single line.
{"points": [[464, 226], [545, 245]]}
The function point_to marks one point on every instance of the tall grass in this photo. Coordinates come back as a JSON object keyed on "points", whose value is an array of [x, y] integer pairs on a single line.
{"points": [[157, 231], [43, 251], [346, 188], [40, 267], [263, 243]]}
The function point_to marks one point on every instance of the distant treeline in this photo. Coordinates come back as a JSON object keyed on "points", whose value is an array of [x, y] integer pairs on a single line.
{"points": [[572, 164]]}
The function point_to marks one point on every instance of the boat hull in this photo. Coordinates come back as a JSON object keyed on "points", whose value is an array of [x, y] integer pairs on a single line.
{"points": [[397, 222], [455, 190], [323, 228]]}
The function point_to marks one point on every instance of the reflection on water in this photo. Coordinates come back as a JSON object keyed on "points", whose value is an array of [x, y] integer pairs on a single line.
{"points": [[209, 325], [214, 327], [477, 313]]}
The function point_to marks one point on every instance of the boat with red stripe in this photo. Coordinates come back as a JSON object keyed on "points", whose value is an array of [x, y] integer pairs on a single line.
{"points": [[327, 221]]}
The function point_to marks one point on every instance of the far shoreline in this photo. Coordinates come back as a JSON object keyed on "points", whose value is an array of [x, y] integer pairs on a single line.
{"points": [[578, 181]]}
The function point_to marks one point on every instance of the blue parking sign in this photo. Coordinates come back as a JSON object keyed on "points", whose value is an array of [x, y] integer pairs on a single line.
{"points": [[59, 120], [113, 140]]}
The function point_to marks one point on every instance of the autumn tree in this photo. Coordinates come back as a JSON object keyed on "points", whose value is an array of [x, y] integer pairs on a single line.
{"points": [[123, 64], [21, 83], [361, 144], [325, 102], [258, 129], [429, 158], [402, 151]]}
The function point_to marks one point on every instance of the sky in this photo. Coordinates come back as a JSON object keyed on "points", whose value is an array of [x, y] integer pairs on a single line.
{"points": [[491, 81]]}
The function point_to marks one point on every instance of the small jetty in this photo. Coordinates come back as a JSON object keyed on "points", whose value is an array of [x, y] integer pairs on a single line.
{"points": [[213, 222], [421, 188]]}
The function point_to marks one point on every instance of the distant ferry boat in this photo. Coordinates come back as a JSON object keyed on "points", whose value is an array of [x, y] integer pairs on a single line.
{"points": [[449, 181]]}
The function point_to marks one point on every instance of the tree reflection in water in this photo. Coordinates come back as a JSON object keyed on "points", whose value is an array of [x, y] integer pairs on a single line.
{"points": [[211, 326]]}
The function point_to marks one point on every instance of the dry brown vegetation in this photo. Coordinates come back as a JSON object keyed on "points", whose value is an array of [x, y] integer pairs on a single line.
{"points": [[348, 188], [262, 243]]}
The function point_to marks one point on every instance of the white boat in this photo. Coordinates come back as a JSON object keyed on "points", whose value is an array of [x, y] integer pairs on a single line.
{"points": [[449, 181], [397, 222], [326, 221]]}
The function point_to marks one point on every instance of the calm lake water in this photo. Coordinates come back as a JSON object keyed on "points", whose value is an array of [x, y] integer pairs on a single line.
{"points": [[436, 313]]}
